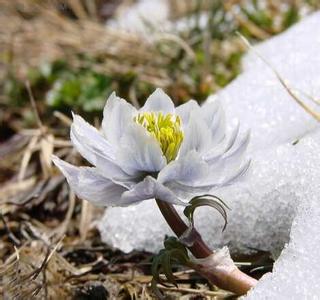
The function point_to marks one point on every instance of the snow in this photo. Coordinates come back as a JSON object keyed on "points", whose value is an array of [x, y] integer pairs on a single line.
{"points": [[278, 203], [149, 17], [143, 17], [297, 271]]}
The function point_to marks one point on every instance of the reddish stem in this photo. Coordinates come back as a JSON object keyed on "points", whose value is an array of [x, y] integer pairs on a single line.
{"points": [[234, 281]]}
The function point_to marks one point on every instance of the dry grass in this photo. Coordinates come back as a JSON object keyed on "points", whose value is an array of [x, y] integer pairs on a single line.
{"points": [[31, 34]]}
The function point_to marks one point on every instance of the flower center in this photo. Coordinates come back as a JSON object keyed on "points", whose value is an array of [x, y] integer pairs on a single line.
{"points": [[166, 129]]}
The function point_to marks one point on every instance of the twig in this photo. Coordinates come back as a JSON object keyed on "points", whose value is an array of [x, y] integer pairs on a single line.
{"points": [[133, 96], [85, 219], [62, 117], [13, 238], [33, 104], [312, 98], [179, 41], [195, 292], [46, 260], [255, 30], [308, 109], [61, 230], [27, 156]]}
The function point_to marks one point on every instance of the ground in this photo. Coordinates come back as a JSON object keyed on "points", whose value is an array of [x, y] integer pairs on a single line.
{"points": [[53, 60]]}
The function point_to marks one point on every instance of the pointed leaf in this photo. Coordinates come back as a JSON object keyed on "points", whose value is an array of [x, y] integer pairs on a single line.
{"points": [[206, 200]]}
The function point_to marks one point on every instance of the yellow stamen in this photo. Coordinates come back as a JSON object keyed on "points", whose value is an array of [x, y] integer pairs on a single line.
{"points": [[166, 129]]}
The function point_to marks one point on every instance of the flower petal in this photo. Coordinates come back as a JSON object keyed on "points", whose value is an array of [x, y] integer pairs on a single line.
{"points": [[197, 136], [237, 150], [88, 184], [213, 115], [237, 175], [182, 175], [83, 130], [185, 191], [117, 115], [222, 173], [139, 151], [228, 163], [91, 145], [184, 110], [149, 188], [210, 183], [222, 148], [159, 101], [187, 170]]}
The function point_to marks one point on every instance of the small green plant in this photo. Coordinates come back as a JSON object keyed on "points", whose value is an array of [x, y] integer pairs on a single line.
{"points": [[86, 90], [63, 87], [82, 89]]}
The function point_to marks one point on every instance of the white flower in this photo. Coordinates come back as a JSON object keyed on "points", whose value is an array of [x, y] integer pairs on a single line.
{"points": [[158, 152]]}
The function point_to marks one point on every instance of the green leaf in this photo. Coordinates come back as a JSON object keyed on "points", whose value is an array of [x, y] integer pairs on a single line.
{"points": [[167, 269], [206, 200], [259, 17], [156, 290], [174, 252], [156, 266], [291, 16]]}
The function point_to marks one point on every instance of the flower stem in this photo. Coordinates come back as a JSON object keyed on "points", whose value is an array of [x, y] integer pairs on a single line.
{"points": [[224, 276]]}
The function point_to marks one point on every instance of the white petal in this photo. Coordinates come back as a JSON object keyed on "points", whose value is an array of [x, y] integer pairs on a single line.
{"points": [[189, 169], [209, 109], [214, 117], [237, 175], [237, 150], [187, 192], [184, 110], [163, 193], [222, 148], [117, 115], [232, 138], [149, 188], [91, 148], [143, 190], [184, 175], [223, 172], [139, 151], [159, 101], [88, 184], [227, 168], [227, 164], [84, 131], [197, 136]]}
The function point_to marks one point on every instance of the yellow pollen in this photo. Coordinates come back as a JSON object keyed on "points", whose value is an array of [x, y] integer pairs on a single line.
{"points": [[166, 129]]}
